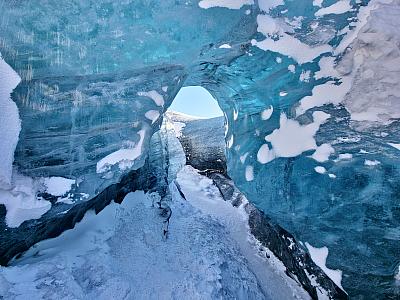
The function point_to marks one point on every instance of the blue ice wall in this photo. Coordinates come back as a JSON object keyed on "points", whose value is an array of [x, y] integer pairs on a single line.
{"points": [[91, 71]]}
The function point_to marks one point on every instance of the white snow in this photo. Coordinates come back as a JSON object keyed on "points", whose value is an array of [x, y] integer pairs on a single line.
{"points": [[10, 123], [290, 46], [323, 94], [125, 158], [17, 192], [323, 152], [154, 95], [291, 138], [264, 155], [368, 162], [291, 68], [268, 26], [178, 128], [121, 253], [368, 70], [320, 170], [266, 5], [231, 4], [397, 146], [339, 7], [249, 174], [21, 202], [319, 255], [267, 113], [58, 186], [285, 44], [225, 46], [318, 2], [202, 194], [363, 18], [152, 115], [345, 156], [327, 68], [305, 76], [243, 157]]}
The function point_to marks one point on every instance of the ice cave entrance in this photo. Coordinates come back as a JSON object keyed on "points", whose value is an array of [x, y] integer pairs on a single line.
{"points": [[199, 125], [196, 101]]}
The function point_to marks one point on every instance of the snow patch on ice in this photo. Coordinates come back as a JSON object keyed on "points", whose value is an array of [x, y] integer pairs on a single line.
{"points": [[125, 158], [322, 94], [291, 138], [394, 145], [278, 40], [231, 4], [267, 113], [368, 162], [58, 186], [21, 202], [290, 46], [266, 5], [320, 170], [323, 152], [305, 76], [249, 174], [344, 156], [327, 68], [154, 95], [243, 157], [319, 256], [339, 7], [225, 46], [152, 115], [318, 3]]}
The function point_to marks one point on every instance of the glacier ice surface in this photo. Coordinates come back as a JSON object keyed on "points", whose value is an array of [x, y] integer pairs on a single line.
{"points": [[91, 71]]}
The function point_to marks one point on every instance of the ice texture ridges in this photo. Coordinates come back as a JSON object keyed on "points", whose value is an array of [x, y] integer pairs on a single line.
{"points": [[88, 69]]}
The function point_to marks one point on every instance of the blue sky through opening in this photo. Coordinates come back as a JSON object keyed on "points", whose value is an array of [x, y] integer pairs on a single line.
{"points": [[196, 101]]}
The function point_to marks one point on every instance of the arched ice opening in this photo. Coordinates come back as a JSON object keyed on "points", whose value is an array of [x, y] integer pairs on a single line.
{"points": [[196, 101]]}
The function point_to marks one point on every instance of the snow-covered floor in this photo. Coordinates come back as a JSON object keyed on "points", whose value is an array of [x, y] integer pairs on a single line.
{"points": [[121, 254]]}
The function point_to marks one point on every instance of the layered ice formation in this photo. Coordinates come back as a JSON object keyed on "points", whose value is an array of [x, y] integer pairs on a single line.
{"points": [[310, 93]]}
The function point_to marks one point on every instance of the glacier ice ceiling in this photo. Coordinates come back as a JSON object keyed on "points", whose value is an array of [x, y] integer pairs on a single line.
{"points": [[310, 92]]}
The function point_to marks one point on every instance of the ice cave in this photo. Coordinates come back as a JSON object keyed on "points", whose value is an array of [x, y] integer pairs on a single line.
{"points": [[287, 188]]}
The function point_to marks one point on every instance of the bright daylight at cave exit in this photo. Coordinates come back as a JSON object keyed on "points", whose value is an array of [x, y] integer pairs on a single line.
{"points": [[201, 149]]}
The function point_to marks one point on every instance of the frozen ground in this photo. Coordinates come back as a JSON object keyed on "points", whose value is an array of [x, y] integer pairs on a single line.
{"points": [[122, 254]]}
